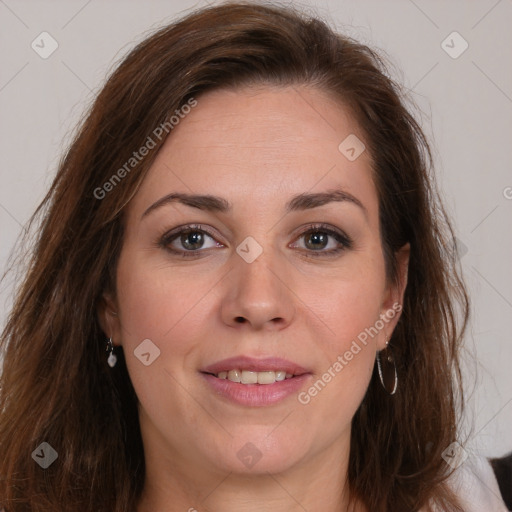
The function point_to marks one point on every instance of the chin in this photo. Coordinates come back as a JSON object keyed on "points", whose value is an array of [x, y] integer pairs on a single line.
{"points": [[260, 453]]}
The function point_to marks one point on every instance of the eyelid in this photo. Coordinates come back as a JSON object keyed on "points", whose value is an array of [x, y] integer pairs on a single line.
{"points": [[188, 227], [340, 236]]}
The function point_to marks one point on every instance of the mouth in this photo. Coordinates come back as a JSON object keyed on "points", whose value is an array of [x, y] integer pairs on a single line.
{"points": [[250, 377], [249, 370], [256, 382]]}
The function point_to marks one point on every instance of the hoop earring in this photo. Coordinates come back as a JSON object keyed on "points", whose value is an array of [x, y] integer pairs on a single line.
{"points": [[112, 359], [387, 370]]}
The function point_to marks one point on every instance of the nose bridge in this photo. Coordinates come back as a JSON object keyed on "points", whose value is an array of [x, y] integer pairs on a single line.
{"points": [[257, 291]]}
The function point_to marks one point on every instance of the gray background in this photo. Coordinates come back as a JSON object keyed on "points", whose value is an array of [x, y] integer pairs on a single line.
{"points": [[466, 110]]}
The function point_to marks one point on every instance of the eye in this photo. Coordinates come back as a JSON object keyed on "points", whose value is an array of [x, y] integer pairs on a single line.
{"points": [[316, 240], [188, 239]]}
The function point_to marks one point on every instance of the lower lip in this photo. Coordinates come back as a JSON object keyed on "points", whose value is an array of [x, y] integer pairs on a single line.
{"points": [[256, 395]]}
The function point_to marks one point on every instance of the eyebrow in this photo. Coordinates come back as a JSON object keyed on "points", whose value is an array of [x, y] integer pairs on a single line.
{"points": [[299, 202]]}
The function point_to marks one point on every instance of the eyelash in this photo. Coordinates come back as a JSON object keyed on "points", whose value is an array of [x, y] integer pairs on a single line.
{"points": [[345, 241]]}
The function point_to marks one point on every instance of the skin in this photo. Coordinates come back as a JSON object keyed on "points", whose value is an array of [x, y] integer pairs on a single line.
{"points": [[256, 147]]}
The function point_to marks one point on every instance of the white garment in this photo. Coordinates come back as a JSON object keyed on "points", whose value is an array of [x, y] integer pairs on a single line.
{"points": [[475, 484]]}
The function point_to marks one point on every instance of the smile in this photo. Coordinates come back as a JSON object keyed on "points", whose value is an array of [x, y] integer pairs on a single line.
{"points": [[249, 377]]}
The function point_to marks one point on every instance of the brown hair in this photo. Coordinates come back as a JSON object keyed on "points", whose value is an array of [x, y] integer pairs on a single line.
{"points": [[56, 385]]}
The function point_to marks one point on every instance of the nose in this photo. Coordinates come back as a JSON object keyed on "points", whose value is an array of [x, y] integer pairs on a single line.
{"points": [[257, 296]]}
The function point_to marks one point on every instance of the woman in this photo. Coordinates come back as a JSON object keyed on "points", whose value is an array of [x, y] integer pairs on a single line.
{"points": [[242, 295]]}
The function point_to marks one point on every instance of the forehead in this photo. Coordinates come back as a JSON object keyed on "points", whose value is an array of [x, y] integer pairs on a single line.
{"points": [[258, 146]]}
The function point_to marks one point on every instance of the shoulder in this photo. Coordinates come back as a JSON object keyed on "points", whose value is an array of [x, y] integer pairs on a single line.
{"points": [[476, 486]]}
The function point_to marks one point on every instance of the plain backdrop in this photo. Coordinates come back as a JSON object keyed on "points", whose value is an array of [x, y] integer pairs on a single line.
{"points": [[465, 107]]}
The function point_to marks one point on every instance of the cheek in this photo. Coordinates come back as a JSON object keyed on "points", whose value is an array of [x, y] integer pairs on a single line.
{"points": [[350, 307], [351, 301], [159, 302], [348, 359], [168, 308]]}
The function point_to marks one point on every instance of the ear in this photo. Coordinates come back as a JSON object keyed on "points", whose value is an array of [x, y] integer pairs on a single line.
{"points": [[392, 304], [108, 318]]}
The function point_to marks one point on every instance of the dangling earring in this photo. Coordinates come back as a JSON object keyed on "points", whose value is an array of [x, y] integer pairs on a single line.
{"points": [[387, 369], [112, 359]]}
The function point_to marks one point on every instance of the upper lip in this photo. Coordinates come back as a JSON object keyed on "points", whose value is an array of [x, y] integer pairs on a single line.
{"points": [[268, 364]]}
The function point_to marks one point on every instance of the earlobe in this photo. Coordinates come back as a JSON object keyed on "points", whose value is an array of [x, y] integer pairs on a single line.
{"points": [[108, 317], [396, 289], [402, 257], [393, 303]]}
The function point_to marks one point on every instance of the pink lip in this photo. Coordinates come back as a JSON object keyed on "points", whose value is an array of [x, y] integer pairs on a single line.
{"points": [[256, 395], [270, 364]]}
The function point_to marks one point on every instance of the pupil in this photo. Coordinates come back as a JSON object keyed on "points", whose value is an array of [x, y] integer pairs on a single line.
{"points": [[195, 236], [318, 238]]}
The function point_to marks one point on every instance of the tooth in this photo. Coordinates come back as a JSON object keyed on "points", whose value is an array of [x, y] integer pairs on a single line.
{"points": [[280, 375], [234, 376], [249, 377], [266, 377]]}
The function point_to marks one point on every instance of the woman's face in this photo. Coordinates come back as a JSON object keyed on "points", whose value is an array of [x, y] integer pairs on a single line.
{"points": [[256, 278]]}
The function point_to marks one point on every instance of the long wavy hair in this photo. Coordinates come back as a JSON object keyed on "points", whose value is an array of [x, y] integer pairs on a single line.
{"points": [[56, 386]]}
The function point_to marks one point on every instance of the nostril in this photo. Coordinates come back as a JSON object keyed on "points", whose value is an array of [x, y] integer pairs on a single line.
{"points": [[240, 319]]}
